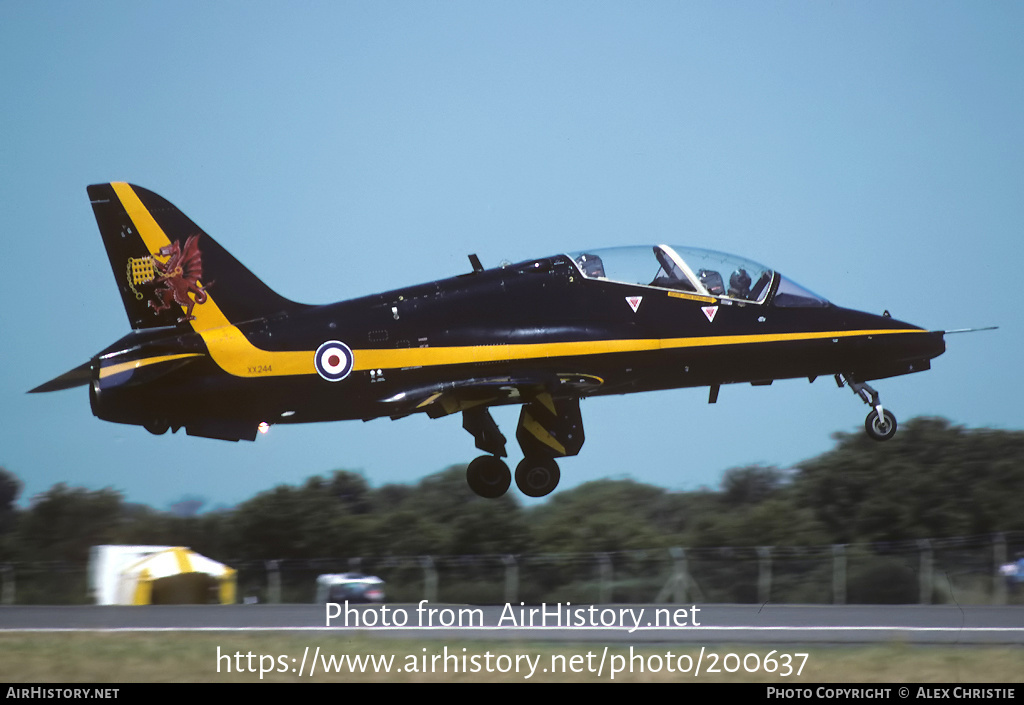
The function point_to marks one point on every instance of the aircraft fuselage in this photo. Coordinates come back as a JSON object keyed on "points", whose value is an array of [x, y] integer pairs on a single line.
{"points": [[534, 319], [215, 351]]}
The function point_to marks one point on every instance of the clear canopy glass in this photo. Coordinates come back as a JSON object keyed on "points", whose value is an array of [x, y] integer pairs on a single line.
{"points": [[695, 270], [792, 295], [702, 272]]}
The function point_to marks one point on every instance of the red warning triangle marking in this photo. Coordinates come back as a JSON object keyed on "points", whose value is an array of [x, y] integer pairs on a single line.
{"points": [[710, 312], [634, 302]]}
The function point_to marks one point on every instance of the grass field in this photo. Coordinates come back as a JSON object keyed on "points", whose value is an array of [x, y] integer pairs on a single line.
{"points": [[239, 658]]}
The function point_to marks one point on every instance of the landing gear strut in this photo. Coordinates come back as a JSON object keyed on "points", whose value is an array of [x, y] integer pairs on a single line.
{"points": [[880, 423]]}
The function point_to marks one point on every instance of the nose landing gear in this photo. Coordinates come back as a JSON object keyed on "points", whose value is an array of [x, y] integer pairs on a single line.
{"points": [[880, 423], [880, 428]]}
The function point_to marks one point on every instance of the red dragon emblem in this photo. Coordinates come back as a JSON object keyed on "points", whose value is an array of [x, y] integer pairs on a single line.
{"points": [[179, 276]]}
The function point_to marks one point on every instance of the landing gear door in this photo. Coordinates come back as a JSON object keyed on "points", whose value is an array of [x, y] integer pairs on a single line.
{"points": [[550, 428]]}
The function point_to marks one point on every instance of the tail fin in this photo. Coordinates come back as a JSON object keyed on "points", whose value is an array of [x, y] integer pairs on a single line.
{"points": [[168, 270]]}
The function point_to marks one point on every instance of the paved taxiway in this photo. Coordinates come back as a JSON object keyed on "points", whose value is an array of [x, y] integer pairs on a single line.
{"points": [[710, 623]]}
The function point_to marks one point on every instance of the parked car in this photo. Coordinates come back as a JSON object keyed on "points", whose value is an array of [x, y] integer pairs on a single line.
{"points": [[351, 587]]}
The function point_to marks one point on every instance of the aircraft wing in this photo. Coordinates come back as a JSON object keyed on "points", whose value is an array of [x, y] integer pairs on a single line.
{"points": [[445, 398]]}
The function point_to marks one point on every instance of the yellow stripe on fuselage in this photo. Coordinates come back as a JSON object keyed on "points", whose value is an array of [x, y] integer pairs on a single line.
{"points": [[372, 359], [233, 352], [428, 357]]}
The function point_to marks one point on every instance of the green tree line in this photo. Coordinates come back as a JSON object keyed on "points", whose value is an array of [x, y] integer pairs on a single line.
{"points": [[933, 480]]}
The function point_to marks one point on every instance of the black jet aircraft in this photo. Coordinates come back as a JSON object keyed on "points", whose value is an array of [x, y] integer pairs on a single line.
{"points": [[215, 351]]}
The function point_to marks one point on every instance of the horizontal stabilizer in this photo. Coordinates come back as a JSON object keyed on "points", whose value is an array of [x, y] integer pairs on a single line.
{"points": [[77, 377], [143, 371]]}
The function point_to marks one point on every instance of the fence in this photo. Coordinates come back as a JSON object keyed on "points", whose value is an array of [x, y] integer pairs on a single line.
{"points": [[962, 570]]}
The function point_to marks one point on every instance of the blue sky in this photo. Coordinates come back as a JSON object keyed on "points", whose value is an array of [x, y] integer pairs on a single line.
{"points": [[873, 152]]}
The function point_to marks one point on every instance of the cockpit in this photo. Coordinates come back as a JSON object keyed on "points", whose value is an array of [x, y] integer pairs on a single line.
{"points": [[695, 271]]}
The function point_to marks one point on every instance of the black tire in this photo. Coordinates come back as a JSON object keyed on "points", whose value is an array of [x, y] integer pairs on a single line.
{"points": [[537, 478], [488, 476], [880, 429]]}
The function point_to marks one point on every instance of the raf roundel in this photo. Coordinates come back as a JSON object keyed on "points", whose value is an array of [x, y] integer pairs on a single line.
{"points": [[333, 360]]}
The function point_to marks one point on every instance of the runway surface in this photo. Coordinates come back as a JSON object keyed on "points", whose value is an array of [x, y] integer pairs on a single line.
{"points": [[563, 622]]}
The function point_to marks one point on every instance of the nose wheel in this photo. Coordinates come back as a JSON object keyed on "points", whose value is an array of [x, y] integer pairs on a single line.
{"points": [[880, 428], [880, 423]]}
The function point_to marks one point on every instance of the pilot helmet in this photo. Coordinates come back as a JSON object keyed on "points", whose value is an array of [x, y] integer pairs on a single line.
{"points": [[591, 265], [739, 281]]}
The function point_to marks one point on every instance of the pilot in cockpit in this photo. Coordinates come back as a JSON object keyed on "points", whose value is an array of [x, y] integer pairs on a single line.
{"points": [[591, 265], [739, 284], [712, 281]]}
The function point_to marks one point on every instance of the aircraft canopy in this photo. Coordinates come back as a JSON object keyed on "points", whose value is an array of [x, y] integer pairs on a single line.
{"points": [[695, 270]]}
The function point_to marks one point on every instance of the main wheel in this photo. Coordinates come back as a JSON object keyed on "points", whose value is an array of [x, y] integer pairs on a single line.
{"points": [[537, 478], [880, 429], [488, 476]]}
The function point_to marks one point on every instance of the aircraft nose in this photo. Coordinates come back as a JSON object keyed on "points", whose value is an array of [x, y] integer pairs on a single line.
{"points": [[938, 342], [919, 343], [905, 346]]}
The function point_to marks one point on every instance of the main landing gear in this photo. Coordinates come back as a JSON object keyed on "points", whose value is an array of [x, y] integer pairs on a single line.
{"points": [[488, 476], [548, 428], [880, 423], [537, 477]]}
